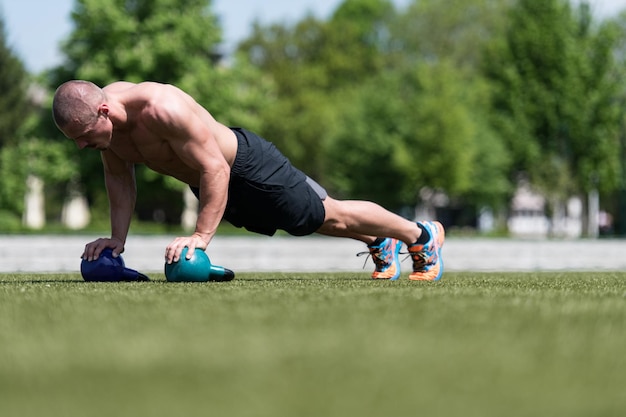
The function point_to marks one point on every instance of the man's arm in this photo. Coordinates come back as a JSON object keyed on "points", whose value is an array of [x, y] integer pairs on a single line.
{"points": [[121, 188], [189, 134], [213, 186], [119, 177], [213, 198]]}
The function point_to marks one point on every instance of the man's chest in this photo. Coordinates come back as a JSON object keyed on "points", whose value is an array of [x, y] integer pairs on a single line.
{"points": [[142, 147]]}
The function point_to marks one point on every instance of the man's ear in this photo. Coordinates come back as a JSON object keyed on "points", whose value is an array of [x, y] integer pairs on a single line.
{"points": [[103, 109]]}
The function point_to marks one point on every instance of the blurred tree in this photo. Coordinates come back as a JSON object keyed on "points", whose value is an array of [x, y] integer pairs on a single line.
{"points": [[397, 139], [324, 55], [15, 110], [554, 83], [296, 116], [156, 40], [42, 158], [616, 203], [372, 89], [456, 30], [15, 105], [445, 43], [358, 37], [312, 63]]}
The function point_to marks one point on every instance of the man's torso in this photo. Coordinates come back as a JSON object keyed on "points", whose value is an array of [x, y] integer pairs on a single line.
{"points": [[142, 143]]}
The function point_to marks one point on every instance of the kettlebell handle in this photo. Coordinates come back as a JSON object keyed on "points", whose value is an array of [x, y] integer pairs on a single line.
{"points": [[220, 274]]}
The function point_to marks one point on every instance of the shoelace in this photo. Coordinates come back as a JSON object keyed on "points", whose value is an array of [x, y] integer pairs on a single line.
{"points": [[418, 258], [379, 261], [419, 261]]}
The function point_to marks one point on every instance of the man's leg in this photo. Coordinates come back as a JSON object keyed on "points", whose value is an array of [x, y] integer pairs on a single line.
{"points": [[383, 231], [365, 221], [373, 225]]}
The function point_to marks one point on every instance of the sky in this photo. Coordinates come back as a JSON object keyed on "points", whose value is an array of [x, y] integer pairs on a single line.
{"points": [[35, 28]]}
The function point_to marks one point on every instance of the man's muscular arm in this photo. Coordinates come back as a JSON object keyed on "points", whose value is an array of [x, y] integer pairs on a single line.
{"points": [[194, 143], [121, 188], [122, 192]]}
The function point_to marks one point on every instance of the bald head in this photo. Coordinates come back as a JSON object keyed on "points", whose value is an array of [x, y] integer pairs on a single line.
{"points": [[76, 102]]}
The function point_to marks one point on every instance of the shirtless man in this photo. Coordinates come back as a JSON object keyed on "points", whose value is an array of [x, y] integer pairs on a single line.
{"points": [[235, 174]]}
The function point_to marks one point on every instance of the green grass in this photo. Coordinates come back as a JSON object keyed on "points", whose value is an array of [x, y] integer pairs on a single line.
{"points": [[323, 345]]}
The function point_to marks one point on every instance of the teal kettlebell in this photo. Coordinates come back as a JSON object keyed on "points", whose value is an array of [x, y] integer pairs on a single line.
{"points": [[198, 268]]}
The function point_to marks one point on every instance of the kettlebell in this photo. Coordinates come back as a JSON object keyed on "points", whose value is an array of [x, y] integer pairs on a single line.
{"points": [[108, 268], [198, 268]]}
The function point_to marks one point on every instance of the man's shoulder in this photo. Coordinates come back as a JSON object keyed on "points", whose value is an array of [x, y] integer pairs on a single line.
{"points": [[119, 86], [142, 87], [146, 89]]}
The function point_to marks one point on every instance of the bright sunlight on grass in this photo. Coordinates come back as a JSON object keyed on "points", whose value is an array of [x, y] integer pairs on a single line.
{"points": [[296, 345]]}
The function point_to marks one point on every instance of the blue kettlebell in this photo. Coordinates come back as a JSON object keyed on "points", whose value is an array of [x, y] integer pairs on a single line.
{"points": [[198, 268], [109, 269]]}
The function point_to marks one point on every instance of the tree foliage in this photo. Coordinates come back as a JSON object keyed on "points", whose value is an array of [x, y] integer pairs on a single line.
{"points": [[397, 138], [553, 96], [157, 40], [360, 94], [312, 63], [454, 30], [14, 103], [30, 156], [16, 109]]}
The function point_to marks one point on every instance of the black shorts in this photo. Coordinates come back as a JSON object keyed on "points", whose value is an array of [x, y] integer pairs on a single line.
{"points": [[267, 193]]}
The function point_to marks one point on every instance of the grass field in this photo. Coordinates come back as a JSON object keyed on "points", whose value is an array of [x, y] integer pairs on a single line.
{"points": [[324, 345]]}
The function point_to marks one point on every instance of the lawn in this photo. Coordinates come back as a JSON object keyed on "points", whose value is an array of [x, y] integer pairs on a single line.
{"points": [[323, 345]]}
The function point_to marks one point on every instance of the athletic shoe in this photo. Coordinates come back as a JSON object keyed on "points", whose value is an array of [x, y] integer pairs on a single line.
{"points": [[385, 257], [427, 262]]}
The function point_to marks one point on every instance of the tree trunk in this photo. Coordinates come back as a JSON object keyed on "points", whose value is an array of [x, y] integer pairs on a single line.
{"points": [[34, 216], [190, 211]]}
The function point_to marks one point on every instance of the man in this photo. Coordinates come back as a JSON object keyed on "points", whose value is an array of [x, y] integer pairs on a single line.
{"points": [[235, 174]]}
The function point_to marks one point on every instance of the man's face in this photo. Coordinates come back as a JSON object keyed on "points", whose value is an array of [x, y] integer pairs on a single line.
{"points": [[95, 136]]}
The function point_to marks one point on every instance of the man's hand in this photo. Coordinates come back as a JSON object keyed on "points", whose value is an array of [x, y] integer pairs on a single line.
{"points": [[93, 249], [173, 250]]}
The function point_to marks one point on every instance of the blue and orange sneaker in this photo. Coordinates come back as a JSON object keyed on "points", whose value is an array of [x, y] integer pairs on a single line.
{"points": [[386, 259], [427, 262]]}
